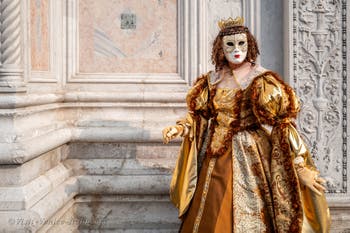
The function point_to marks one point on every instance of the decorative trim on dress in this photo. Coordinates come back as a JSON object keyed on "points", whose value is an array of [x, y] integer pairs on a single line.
{"points": [[204, 195]]}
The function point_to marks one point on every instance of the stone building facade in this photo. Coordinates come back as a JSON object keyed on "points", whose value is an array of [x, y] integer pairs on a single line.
{"points": [[87, 86]]}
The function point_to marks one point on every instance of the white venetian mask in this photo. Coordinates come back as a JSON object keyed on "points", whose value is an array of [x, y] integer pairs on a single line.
{"points": [[235, 47]]}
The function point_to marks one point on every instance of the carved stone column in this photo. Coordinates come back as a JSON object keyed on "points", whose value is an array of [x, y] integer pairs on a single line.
{"points": [[11, 64]]}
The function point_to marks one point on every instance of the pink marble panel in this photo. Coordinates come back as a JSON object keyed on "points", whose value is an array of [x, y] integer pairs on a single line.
{"points": [[128, 36], [39, 35]]}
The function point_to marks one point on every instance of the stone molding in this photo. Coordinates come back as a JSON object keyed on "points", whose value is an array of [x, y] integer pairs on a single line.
{"points": [[126, 119], [24, 197], [23, 151], [31, 219], [8, 104]]}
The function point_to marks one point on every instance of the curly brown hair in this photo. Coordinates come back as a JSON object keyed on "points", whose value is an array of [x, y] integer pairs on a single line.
{"points": [[218, 57]]}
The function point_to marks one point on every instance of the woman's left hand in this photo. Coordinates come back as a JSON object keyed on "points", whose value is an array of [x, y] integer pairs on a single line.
{"points": [[311, 179]]}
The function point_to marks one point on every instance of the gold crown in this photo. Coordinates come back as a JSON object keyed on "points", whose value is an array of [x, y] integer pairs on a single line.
{"points": [[238, 21]]}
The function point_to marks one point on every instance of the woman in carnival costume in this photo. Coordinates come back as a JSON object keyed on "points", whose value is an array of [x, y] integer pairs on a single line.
{"points": [[242, 165]]}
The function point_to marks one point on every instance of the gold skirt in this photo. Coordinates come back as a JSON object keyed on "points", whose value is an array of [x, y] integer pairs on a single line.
{"points": [[232, 192]]}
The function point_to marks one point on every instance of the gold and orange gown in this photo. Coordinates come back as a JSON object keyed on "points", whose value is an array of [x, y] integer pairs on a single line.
{"points": [[246, 180]]}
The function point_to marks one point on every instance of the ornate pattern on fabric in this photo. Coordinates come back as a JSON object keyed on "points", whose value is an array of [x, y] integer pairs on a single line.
{"points": [[252, 204], [199, 104], [198, 97], [285, 184], [227, 105], [275, 103]]}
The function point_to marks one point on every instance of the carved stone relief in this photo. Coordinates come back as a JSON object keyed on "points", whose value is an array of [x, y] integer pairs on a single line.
{"points": [[319, 76]]}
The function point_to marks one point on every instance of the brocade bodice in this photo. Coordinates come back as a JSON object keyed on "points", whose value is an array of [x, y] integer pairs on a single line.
{"points": [[233, 113], [223, 104]]}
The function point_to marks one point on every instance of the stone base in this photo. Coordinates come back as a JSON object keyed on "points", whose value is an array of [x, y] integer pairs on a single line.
{"points": [[101, 187]]}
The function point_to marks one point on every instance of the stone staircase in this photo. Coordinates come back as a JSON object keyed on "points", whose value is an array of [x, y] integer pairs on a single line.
{"points": [[90, 187]]}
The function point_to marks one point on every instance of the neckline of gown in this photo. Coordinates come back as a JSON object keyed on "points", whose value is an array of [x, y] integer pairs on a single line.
{"points": [[255, 72]]}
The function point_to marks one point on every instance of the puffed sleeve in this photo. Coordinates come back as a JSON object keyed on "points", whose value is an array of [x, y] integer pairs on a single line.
{"points": [[274, 103], [273, 100]]}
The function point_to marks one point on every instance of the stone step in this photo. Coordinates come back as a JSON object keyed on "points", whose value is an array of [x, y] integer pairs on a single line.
{"points": [[23, 197], [126, 212]]}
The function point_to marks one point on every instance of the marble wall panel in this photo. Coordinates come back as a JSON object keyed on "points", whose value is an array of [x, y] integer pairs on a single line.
{"points": [[271, 36], [217, 10], [39, 35], [127, 36]]}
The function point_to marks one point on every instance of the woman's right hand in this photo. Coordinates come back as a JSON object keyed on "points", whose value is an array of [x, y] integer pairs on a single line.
{"points": [[172, 132]]}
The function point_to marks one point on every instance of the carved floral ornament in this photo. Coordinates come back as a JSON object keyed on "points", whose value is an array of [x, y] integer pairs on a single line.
{"points": [[319, 76]]}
